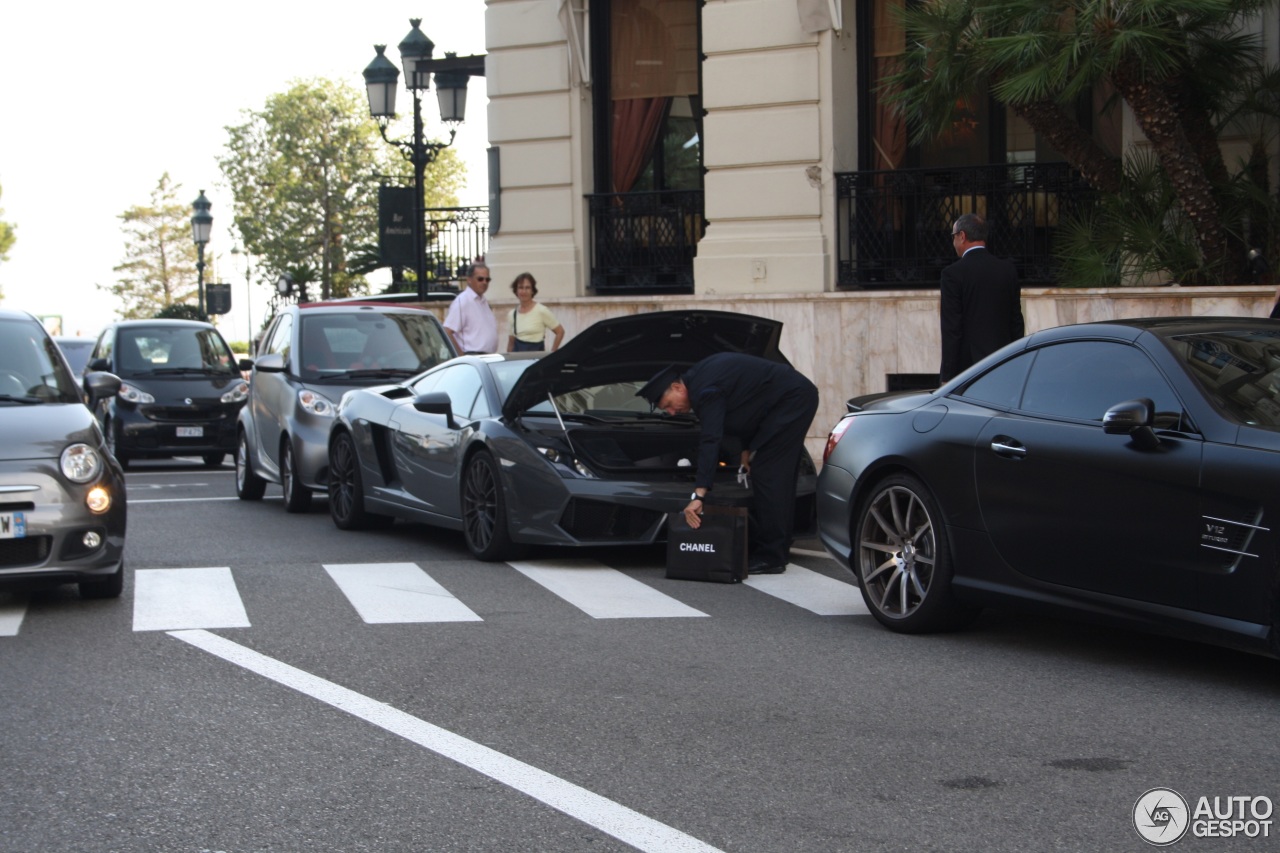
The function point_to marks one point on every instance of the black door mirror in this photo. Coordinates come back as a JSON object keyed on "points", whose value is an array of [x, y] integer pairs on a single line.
{"points": [[436, 403], [100, 386], [1133, 418]]}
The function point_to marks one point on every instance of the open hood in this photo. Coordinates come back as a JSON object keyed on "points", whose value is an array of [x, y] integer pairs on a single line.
{"points": [[634, 347]]}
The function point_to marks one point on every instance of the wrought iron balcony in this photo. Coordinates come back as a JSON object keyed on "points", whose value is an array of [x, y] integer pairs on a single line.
{"points": [[645, 242], [895, 226]]}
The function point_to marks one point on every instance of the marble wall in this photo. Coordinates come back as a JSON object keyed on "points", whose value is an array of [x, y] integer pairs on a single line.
{"points": [[849, 343]]}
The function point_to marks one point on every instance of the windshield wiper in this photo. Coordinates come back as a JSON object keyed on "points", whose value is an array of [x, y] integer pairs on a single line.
{"points": [[203, 371], [25, 400], [376, 372]]}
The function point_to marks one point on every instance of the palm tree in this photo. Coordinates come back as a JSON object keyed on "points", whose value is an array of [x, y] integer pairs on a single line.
{"points": [[1168, 60]]}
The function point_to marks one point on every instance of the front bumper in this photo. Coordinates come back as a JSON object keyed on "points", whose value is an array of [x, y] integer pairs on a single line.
{"points": [[154, 430]]}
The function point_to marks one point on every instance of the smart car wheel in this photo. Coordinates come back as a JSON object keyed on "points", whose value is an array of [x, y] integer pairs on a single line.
{"points": [[213, 460], [484, 511], [297, 497], [346, 488], [109, 587], [903, 561], [249, 486], [109, 431]]}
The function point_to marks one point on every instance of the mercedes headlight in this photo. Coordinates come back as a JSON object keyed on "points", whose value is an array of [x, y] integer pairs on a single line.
{"points": [[131, 394], [238, 394]]}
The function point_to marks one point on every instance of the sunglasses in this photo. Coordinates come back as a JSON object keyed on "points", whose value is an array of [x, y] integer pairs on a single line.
{"points": [[482, 278]]}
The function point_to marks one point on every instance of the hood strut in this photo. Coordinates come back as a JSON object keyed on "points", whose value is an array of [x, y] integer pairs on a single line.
{"points": [[567, 440]]}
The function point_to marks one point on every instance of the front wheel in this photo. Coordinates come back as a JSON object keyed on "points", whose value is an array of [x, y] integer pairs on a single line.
{"points": [[903, 562], [249, 486], [484, 510], [297, 497], [213, 460], [346, 488]]}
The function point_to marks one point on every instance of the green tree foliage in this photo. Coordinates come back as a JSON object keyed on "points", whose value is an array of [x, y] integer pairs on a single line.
{"points": [[6, 239], [1185, 68], [181, 311], [304, 172], [159, 266]]}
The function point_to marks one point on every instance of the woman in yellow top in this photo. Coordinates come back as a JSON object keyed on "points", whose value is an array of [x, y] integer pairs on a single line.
{"points": [[530, 320]]}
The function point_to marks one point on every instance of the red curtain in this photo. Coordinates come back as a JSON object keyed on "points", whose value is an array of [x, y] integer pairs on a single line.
{"points": [[636, 123]]}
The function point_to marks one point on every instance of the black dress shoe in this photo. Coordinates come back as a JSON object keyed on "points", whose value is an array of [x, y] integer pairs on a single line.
{"points": [[764, 567]]}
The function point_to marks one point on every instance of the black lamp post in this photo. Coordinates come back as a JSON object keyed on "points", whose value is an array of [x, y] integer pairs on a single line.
{"points": [[201, 228], [451, 74]]}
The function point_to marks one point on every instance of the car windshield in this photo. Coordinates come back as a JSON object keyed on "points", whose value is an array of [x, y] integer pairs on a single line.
{"points": [[161, 350], [1240, 371], [77, 351], [615, 398], [30, 369], [369, 344]]}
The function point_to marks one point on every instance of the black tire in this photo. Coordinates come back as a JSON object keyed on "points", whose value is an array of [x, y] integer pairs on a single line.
{"points": [[297, 497], [484, 511], [249, 486], [109, 587], [902, 559], [346, 488], [213, 460], [109, 431]]}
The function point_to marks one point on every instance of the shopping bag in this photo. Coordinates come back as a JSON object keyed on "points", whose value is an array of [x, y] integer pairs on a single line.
{"points": [[716, 551]]}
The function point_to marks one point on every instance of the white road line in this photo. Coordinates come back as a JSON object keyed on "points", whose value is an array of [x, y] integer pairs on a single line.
{"points": [[602, 592], [626, 825], [132, 502], [387, 593], [174, 599], [812, 591], [11, 613]]}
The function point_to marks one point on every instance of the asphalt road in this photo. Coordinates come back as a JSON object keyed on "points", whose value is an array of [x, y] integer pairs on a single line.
{"points": [[544, 714]]}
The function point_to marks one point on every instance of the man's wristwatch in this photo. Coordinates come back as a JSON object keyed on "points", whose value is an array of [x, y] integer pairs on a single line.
{"points": [[695, 497]]}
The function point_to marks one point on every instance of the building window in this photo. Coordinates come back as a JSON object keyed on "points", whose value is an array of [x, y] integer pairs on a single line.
{"points": [[648, 108]]}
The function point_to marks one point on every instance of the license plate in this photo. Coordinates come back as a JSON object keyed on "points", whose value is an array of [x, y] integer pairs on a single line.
{"points": [[13, 525], [190, 432]]}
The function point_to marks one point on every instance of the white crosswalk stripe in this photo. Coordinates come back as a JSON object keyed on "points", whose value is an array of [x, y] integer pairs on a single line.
{"points": [[178, 599], [813, 591], [391, 593], [602, 592]]}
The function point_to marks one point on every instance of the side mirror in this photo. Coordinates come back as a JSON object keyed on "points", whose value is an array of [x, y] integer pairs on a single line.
{"points": [[245, 364], [436, 403], [1133, 418], [100, 386], [270, 363], [99, 364]]}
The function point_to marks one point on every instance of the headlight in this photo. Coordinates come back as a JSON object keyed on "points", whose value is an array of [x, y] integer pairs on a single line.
{"points": [[237, 394], [564, 459], [80, 463], [130, 394], [316, 404]]}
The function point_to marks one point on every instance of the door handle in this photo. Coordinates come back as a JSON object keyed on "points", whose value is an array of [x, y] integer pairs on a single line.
{"points": [[1002, 445]]}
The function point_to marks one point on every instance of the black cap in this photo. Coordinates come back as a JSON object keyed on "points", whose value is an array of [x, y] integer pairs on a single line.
{"points": [[658, 385]]}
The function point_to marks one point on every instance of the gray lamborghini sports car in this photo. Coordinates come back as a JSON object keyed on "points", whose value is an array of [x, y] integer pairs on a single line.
{"points": [[554, 449]]}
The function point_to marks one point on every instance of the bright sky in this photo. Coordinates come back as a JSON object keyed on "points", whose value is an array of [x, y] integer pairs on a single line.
{"points": [[98, 100]]}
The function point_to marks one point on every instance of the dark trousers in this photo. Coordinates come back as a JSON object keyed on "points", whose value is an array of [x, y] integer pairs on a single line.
{"points": [[774, 469]]}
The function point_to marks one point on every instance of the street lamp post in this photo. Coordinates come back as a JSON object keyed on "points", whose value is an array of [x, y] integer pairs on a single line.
{"points": [[201, 228], [451, 75]]}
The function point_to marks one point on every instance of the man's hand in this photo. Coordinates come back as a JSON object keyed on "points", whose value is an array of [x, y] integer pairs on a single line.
{"points": [[693, 514]]}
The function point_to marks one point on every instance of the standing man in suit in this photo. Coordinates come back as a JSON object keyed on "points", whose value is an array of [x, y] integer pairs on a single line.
{"points": [[981, 306], [769, 407]]}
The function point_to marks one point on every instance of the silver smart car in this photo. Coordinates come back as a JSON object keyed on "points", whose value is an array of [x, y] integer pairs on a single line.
{"points": [[62, 498]]}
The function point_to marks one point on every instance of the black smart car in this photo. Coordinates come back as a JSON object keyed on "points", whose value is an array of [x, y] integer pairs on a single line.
{"points": [[181, 390]]}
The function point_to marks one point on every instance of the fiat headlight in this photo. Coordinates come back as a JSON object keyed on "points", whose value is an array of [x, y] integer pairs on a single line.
{"points": [[81, 463], [238, 394], [316, 404], [131, 394]]}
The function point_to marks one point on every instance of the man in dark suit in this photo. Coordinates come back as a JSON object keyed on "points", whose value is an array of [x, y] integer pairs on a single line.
{"points": [[769, 407], [981, 306]]}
